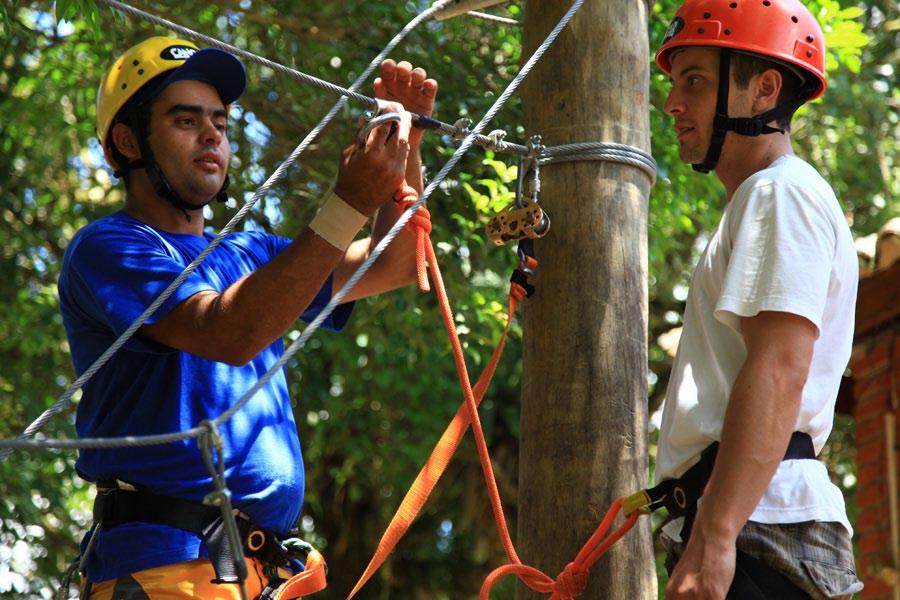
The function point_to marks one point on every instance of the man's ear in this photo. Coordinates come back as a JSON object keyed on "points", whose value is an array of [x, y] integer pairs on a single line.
{"points": [[766, 89], [125, 140]]}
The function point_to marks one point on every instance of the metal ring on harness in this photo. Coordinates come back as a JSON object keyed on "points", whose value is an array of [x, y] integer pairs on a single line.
{"points": [[256, 540], [680, 496]]}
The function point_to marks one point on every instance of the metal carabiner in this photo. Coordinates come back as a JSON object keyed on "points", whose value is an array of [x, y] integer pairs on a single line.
{"points": [[526, 166], [529, 164], [376, 121]]}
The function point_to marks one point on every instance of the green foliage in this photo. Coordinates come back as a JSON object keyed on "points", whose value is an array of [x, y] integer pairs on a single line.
{"points": [[371, 401], [86, 10]]}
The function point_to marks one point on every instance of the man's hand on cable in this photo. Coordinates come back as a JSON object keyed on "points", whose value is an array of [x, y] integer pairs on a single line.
{"points": [[705, 570], [411, 87], [364, 183], [370, 174]]}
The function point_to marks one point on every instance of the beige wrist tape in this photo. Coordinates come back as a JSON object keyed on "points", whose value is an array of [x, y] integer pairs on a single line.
{"points": [[337, 222]]}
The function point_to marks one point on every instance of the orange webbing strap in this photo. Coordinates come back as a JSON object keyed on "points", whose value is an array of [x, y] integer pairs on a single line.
{"points": [[466, 414], [310, 581], [570, 583]]}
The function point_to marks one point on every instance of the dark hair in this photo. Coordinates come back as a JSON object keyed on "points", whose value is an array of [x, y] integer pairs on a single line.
{"points": [[123, 172], [746, 66], [135, 114]]}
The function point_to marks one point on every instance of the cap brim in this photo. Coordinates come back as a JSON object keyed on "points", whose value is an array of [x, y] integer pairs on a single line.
{"points": [[216, 67]]}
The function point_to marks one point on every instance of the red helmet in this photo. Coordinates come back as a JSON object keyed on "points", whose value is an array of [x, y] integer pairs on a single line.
{"points": [[783, 30]]}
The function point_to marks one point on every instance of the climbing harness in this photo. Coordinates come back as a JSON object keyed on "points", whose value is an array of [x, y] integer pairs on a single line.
{"points": [[679, 496], [229, 535]]}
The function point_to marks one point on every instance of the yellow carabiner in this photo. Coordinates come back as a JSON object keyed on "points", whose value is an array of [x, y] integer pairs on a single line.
{"points": [[639, 501]]}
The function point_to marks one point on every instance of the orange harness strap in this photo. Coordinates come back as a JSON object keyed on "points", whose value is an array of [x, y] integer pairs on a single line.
{"points": [[310, 581]]}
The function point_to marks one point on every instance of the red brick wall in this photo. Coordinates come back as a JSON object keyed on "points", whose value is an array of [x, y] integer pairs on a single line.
{"points": [[871, 367]]}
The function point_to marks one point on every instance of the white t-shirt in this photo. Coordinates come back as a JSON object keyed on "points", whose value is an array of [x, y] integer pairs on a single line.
{"points": [[782, 245]]}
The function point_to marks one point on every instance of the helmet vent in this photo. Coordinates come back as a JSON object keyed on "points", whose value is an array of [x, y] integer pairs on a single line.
{"points": [[795, 19], [810, 39], [732, 5], [124, 86], [707, 15], [767, 3], [727, 32]]}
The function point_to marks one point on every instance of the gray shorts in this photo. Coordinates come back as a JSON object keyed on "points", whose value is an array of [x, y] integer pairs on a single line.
{"points": [[816, 556]]}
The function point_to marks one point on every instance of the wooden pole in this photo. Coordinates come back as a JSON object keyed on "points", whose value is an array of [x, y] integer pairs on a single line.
{"points": [[584, 395]]}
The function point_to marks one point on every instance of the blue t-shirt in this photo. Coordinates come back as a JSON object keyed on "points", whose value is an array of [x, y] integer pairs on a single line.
{"points": [[112, 271]]}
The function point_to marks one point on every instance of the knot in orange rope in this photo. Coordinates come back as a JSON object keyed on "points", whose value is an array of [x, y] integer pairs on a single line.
{"points": [[405, 195], [571, 582], [420, 224], [420, 221]]}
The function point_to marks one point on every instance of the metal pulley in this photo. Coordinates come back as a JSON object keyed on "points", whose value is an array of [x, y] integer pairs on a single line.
{"points": [[524, 219]]}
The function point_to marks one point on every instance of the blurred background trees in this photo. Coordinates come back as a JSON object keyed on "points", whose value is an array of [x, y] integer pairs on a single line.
{"points": [[371, 401]]}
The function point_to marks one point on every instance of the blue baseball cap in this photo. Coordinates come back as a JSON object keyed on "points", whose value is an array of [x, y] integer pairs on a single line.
{"points": [[215, 67]]}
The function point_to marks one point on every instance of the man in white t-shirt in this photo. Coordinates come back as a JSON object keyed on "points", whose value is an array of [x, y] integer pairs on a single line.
{"points": [[768, 324]]}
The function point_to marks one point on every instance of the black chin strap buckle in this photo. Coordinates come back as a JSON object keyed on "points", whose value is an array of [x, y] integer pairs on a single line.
{"points": [[749, 126]]}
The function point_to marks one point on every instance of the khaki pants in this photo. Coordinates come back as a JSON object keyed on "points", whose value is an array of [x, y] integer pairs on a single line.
{"points": [[815, 556]]}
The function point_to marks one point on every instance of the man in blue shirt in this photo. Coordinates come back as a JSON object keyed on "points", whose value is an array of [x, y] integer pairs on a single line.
{"points": [[162, 120]]}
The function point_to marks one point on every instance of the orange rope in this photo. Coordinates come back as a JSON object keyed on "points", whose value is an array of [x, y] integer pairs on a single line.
{"points": [[570, 583], [467, 414], [573, 579]]}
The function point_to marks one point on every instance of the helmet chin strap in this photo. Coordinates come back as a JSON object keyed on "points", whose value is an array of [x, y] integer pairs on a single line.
{"points": [[162, 188], [749, 126]]}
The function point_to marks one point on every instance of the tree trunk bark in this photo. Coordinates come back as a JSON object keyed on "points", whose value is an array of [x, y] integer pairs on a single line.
{"points": [[584, 395]]}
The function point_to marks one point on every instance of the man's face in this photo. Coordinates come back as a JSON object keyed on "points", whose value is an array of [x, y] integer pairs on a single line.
{"points": [[692, 102], [188, 139], [692, 99]]}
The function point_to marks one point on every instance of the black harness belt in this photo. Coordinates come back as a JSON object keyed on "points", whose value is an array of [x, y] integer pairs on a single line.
{"points": [[680, 495], [115, 506]]}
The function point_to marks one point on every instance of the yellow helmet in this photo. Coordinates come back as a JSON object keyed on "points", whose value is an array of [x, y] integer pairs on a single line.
{"points": [[147, 60]]}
